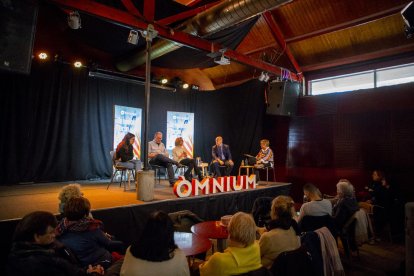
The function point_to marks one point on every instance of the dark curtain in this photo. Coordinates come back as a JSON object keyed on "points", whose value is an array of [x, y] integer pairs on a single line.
{"points": [[57, 123]]}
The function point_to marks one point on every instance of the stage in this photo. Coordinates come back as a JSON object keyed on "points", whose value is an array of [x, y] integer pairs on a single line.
{"points": [[121, 212]]}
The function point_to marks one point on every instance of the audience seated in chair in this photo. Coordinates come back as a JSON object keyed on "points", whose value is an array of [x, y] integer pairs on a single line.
{"points": [[36, 252], [261, 210], [85, 237], [281, 232], [346, 204], [316, 212], [243, 252], [221, 157], [155, 253], [67, 192], [332, 264]]}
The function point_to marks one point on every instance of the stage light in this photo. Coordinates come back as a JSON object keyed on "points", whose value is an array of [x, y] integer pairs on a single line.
{"points": [[264, 76], [185, 85], [42, 56], [77, 64], [133, 37], [195, 87], [164, 80], [74, 20]]}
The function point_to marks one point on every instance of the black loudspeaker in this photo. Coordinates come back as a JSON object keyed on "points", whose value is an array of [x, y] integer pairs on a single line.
{"points": [[17, 29], [282, 98]]}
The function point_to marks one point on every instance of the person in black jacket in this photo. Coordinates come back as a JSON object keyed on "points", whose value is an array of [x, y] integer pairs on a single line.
{"points": [[124, 154], [36, 252]]}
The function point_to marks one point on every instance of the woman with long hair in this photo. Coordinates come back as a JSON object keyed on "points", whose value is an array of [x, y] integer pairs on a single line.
{"points": [[155, 252], [124, 154]]}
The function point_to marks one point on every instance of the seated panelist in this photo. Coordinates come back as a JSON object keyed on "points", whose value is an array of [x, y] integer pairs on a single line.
{"points": [[221, 157], [264, 158]]}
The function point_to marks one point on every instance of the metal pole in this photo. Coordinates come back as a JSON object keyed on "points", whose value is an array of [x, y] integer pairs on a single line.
{"points": [[148, 38]]}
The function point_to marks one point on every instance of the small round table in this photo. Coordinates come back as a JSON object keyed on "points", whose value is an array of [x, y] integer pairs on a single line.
{"points": [[247, 168], [212, 230], [191, 244]]}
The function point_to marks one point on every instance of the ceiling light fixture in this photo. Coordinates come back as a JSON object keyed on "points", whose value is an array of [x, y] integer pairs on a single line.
{"points": [[77, 64], [164, 80], [264, 76], [185, 85], [222, 60], [74, 20]]}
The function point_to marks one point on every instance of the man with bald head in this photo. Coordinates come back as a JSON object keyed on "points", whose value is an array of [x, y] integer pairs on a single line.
{"points": [[158, 155], [221, 157]]}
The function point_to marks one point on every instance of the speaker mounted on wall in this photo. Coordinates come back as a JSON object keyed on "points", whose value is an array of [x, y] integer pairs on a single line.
{"points": [[17, 29], [282, 98]]}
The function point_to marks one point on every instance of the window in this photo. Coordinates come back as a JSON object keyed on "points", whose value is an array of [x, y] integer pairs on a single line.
{"points": [[364, 80]]}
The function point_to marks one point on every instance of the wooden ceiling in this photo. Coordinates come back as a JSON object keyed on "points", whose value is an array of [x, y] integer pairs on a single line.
{"points": [[307, 35]]}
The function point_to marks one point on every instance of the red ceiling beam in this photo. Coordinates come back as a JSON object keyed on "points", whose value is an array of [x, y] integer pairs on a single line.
{"points": [[184, 15], [277, 34], [126, 19], [131, 8], [349, 24], [149, 10], [360, 58]]}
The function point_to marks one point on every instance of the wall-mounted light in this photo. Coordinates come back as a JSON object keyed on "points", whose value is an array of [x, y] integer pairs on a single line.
{"points": [[42, 56]]}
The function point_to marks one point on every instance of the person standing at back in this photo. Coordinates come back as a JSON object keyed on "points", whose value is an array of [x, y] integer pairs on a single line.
{"points": [[221, 157]]}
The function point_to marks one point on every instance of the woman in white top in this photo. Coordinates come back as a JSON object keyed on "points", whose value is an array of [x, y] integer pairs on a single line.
{"points": [[181, 156], [155, 252]]}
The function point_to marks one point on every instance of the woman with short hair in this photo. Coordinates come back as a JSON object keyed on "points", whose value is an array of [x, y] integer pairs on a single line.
{"points": [[180, 155], [346, 205], [281, 232], [155, 252], [243, 252], [85, 235]]}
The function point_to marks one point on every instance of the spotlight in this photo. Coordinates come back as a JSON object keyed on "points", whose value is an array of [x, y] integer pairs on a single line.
{"points": [[77, 64], [164, 80], [133, 37], [42, 56], [185, 85], [74, 20], [267, 77], [264, 76], [195, 87]]}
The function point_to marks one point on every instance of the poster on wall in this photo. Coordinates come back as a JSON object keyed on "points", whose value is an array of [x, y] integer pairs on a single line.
{"points": [[128, 119], [180, 124]]}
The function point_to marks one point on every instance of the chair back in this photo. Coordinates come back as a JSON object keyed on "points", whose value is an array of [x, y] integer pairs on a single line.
{"points": [[294, 262], [262, 271], [261, 210], [311, 223], [112, 153]]}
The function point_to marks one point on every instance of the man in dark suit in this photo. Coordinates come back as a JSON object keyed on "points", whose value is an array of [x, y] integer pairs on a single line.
{"points": [[221, 157]]}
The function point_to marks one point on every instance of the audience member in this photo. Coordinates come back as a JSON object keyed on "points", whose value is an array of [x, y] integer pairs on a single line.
{"points": [[85, 236], [281, 232], [264, 158], [346, 204], [66, 193], [243, 252], [316, 205], [180, 155], [124, 154], [36, 252], [158, 155], [221, 157], [155, 252]]}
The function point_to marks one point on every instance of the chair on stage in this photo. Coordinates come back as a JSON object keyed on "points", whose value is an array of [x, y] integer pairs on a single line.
{"points": [[119, 169], [157, 172], [270, 168], [180, 170]]}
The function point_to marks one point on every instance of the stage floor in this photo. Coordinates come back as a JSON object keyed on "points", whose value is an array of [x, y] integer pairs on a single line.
{"points": [[19, 200]]}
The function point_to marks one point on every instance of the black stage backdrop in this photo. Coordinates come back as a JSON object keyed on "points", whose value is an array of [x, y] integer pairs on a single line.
{"points": [[57, 123]]}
